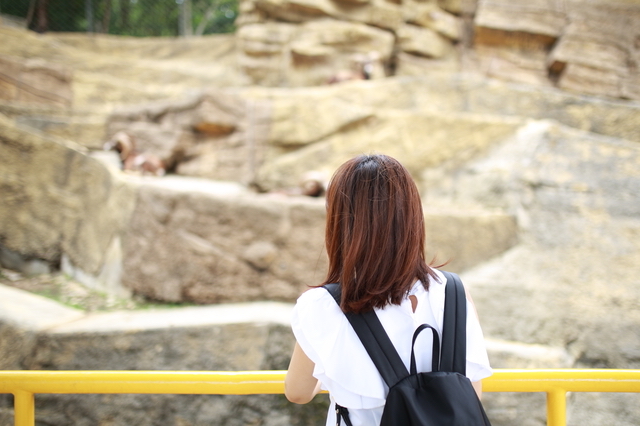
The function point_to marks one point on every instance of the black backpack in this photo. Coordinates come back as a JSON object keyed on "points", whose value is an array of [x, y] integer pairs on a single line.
{"points": [[442, 397]]}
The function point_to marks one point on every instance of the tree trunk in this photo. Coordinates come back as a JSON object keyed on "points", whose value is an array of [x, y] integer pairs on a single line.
{"points": [[185, 25], [88, 11], [208, 16], [31, 12], [42, 19], [124, 18], [106, 17]]}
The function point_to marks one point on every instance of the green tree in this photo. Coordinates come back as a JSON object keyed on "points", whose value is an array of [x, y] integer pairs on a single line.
{"points": [[126, 17]]}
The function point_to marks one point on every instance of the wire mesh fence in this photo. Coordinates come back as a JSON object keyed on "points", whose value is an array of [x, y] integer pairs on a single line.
{"points": [[124, 17]]}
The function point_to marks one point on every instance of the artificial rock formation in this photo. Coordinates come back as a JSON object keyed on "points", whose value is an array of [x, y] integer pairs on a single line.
{"points": [[586, 47], [327, 41], [530, 185], [177, 239]]}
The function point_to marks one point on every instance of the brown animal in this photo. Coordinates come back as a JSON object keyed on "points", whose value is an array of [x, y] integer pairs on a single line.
{"points": [[132, 160], [313, 184], [364, 67]]}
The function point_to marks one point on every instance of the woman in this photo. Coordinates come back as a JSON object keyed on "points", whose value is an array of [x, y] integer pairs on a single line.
{"points": [[375, 242]]}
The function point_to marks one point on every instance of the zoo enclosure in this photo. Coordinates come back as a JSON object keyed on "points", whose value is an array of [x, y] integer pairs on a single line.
{"points": [[124, 17], [25, 384]]}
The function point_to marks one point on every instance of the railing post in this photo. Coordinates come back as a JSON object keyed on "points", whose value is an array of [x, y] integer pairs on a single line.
{"points": [[24, 409], [557, 408]]}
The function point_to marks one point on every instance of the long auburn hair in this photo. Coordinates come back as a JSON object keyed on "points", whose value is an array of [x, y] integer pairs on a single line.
{"points": [[374, 233]]}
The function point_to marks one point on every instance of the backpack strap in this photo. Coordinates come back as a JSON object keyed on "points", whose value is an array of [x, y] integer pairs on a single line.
{"points": [[435, 349], [375, 340], [342, 413], [454, 333]]}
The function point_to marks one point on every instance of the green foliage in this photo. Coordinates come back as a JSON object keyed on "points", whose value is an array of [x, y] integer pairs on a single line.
{"points": [[139, 18], [215, 16], [14, 7]]}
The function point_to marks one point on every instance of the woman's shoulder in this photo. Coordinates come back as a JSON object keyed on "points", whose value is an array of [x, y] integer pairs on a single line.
{"points": [[316, 300], [441, 280], [313, 295]]}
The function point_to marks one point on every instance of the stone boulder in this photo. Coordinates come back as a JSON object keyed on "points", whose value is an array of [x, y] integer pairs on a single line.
{"points": [[430, 15], [597, 59], [235, 133], [83, 127], [217, 134], [20, 332], [50, 188], [425, 42], [469, 98], [452, 93], [571, 282], [376, 13], [520, 17], [203, 242]]}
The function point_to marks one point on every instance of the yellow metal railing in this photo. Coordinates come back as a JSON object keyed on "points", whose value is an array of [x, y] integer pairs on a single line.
{"points": [[25, 384]]}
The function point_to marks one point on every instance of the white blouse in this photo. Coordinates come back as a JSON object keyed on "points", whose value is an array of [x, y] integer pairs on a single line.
{"points": [[342, 364]]}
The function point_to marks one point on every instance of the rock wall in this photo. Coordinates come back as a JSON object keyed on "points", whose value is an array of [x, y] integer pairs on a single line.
{"points": [[270, 138], [298, 43], [586, 47], [194, 242], [182, 239], [580, 46], [576, 266]]}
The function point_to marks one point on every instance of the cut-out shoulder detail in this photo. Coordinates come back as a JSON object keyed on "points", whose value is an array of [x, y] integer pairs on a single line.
{"points": [[414, 302]]}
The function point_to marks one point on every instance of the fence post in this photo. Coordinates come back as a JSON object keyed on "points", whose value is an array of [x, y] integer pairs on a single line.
{"points": [[557, 408], [24, 409]]}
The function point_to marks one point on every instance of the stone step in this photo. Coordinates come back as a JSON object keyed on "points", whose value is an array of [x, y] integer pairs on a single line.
{"points": [[132, 339], [38, 332]]}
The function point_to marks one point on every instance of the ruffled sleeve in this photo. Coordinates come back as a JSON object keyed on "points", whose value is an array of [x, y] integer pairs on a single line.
{"points": [[327, 338], [478, 366]]}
